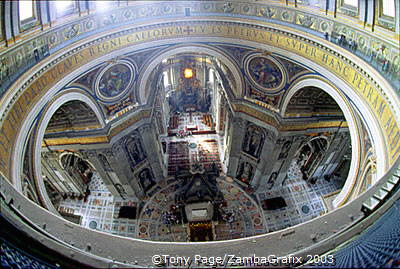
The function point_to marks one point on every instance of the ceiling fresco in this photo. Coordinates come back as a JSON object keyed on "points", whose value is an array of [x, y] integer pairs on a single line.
{"points": [[265, 73]]}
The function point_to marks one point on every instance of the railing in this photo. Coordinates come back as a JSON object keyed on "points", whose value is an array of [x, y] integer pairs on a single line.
{"points": [[317, 236]]}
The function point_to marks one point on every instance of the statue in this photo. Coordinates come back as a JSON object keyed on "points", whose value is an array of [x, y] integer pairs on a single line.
{"points": [[245, 172], [253, 141], [135, 150], [146, 179]]}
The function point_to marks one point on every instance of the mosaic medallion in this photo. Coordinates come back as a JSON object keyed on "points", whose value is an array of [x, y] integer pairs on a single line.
{"points": [[265, 73], [114, 81]]}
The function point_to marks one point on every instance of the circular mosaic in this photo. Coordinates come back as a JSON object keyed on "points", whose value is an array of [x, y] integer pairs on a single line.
{"points": [[114, 80], [265, 73], [305, 209], [192, 145], [92, 224]]}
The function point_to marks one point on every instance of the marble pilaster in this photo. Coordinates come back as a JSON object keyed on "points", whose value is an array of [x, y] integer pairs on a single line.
{"points": [[236, 132], [153, 149], [93, 158], [294, 147], [120, 164]]}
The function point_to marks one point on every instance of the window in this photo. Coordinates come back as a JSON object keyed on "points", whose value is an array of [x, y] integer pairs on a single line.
{"points": [[353, 3], [28, 14], [26, 10], [348, 7], [388, 8], [64, 7], [386, 13], [102, 6]]}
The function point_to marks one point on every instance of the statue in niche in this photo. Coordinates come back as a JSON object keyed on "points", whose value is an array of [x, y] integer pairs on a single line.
{"points": [[304, 160], [245, 172], [120, 190], [135, 150], [271, 180], [285, 150], [253, 141], [105, 163], [146, 180]]}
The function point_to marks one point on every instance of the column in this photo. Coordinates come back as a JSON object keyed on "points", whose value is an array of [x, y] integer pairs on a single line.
{"points": [[362, 11], [331, 7], [397, 17], [369, 20], [8, 30], [294, 147]]}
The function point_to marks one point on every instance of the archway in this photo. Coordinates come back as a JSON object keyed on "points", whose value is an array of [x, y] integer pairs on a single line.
{"points": [[348, 113], [71, 97]]}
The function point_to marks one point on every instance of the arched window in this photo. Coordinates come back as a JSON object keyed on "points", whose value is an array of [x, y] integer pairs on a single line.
{"points": [[353, 3]]}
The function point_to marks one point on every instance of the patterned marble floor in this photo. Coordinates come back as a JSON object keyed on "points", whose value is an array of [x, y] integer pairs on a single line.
{"points": [[201, 146], [101, 210], [248, 218], [304, 200]]}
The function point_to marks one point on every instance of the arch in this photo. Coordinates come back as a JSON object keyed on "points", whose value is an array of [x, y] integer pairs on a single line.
{"points": [[350, 118], [312, 139], [71, 94], [81, 167], [145, 74], [368, 115], [357, 100]]}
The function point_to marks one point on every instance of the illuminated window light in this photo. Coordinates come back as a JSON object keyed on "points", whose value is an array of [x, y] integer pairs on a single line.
{"points": [[188, 73], [103, 5], [63, 5], [25, 10], [388, 8], [353, 3]]}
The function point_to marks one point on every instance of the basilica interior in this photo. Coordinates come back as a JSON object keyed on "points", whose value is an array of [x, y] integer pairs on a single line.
{"points": [[195, 171], [258, 125]]}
